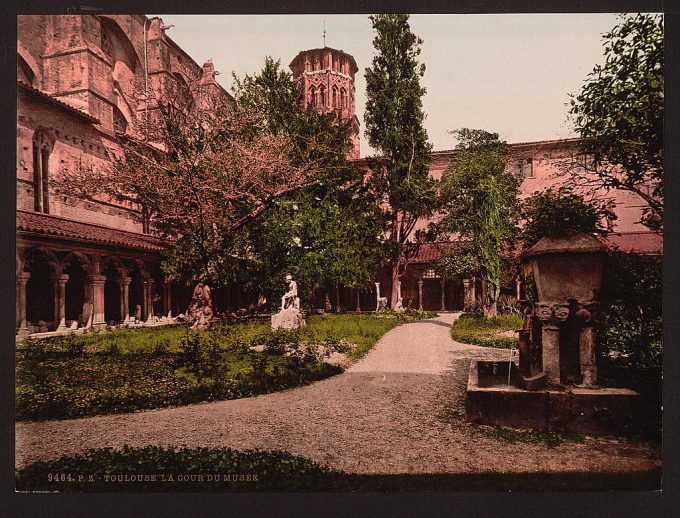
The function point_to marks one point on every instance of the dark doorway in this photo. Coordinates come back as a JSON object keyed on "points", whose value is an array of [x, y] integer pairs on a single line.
{"points": [[112, 294]]}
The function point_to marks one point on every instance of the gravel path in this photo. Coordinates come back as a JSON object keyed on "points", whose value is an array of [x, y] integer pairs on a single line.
{"points": [[398, 410]]}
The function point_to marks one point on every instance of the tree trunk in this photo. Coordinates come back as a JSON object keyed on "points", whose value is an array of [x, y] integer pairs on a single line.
{"points": [[395, 282], [490, 294]]}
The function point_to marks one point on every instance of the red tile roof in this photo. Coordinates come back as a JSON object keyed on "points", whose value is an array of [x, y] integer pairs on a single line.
{"points": [[38, 223], [431, 252], [642, 242], [31, 90]]}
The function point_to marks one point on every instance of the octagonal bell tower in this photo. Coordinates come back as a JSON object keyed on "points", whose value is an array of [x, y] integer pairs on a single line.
{"points": [[325, 79]]}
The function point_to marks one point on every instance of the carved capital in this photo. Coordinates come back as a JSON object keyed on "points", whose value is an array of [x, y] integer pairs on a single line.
{"points": [[544, 312], [561, 312]]}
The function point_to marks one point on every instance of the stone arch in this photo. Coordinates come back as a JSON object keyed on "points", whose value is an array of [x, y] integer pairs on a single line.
{"points": [[78, 267], [116, 44], [27, 66], [343, 98], [139, 277], [43, 267], [113, 291], [43, 144]]}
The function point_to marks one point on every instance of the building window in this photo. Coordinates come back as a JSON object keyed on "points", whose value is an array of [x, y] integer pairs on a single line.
{"points": [[587, 161], [526, 168], [41, 174], [343, 98], [312, 96], [119, 122], [322, 96], [335, 97], [430, 274]]}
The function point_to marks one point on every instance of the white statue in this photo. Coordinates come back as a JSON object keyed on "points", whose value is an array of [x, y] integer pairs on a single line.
{"points": [[290, 316], [290, 299]]}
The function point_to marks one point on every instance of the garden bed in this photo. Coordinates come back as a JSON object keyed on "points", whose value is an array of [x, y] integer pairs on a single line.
{"points": [[488, 332], [132, 369]]}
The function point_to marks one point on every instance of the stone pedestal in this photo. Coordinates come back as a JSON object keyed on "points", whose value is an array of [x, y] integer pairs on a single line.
{"points": [[289, 318], [420, 294]]}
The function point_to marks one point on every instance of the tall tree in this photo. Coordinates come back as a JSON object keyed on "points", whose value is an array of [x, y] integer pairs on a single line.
{"points": [[329, 233], [480, 206], [619, 114], [394, 126]]}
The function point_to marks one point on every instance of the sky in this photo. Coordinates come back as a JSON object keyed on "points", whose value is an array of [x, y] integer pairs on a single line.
{"points": [[510, 74]]}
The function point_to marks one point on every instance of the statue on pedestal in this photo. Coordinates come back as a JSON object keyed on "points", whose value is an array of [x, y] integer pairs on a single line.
{"points": [[290, 316]]}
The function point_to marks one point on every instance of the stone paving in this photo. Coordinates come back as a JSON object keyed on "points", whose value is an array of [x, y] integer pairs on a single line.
{"points": [[398, 410]]}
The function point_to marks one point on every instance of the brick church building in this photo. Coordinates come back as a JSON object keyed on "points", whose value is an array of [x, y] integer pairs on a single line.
{"points": [[83, 82]]}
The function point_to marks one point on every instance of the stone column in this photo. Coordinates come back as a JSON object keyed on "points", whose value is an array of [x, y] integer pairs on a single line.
{"points": [[60, 301], [399, 290], [148, 299], [94, 293], [377, 296], [420, 294], [550, 337], [167, 298], [587, 348], [124, 289], [22, 281], [518, 285], [467, 301], [443, 308], [550, 315]]}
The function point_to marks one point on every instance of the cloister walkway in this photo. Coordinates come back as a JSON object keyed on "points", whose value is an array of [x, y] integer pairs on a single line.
{"points": [[398, 410]]}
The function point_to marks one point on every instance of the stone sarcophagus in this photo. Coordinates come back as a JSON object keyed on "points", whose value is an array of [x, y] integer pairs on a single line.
{"points": [[567, 275]]}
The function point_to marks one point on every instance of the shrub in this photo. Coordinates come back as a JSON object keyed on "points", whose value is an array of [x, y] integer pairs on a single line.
{"points": [[487, 332], [559, 213]]}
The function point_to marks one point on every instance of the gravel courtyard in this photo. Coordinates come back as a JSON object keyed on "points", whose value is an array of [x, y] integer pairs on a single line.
{"points": [[398, 410]]}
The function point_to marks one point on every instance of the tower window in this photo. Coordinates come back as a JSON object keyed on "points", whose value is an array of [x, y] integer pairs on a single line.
{"points": [[335, 97], [41, 159], [322, 96]]}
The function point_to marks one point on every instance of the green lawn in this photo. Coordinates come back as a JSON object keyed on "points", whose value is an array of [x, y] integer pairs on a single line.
{"points": [[489, 332], [130, 369]]}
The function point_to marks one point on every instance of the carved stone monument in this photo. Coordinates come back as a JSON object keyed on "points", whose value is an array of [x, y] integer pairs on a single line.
{"points": [[200, 311], [290, 316]]}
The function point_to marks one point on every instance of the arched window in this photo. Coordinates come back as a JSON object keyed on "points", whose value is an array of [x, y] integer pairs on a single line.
{"points": [[42, 147], [312, 96], [120, 124], [322, 96], [343, 98], [335, 97]]}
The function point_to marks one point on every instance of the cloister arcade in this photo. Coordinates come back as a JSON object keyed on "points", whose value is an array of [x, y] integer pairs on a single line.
{"points": [[60, 288]]}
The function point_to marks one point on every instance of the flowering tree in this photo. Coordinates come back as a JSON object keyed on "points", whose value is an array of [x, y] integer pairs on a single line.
{"points": [[201, 174]]}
